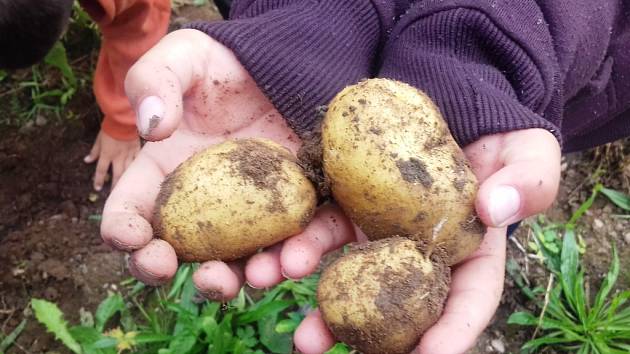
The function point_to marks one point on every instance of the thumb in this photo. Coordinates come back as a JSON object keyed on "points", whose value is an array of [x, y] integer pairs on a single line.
{"points": [[156, 84], [526, 181]]}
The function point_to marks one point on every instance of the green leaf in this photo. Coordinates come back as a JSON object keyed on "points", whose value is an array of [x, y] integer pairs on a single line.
{"points": [[106, 342], [222, 336], [607, 284], [585, 206], [57, 58], [618, 198], [280, 343], [144, 338], [247, 336], [533, 344], [569, 266], [107, 309], [187, 296], [182, 343], [10, 339], [180, 278], [523, 319], [85, 335], [580, 298], [338, 348], [289, 325], [266, 310], [49, 314], [88, 337]]}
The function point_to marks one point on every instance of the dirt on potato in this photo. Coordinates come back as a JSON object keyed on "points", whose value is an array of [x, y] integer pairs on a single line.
{"points": [[365, 295]]}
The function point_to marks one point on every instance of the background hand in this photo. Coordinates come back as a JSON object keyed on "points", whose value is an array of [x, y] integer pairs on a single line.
{"points": [[109, 151]]}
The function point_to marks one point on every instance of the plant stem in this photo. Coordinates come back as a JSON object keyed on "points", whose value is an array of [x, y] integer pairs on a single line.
{"points": [[546, 303]]}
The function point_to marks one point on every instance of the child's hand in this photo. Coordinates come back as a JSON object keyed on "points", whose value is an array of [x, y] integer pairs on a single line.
{"points": [[519, 174], [191, 92], [111, 151]]}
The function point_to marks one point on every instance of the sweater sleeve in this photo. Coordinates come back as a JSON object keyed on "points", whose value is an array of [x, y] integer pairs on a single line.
{"points": [[302, 52], [489, 65], [129, 28]]}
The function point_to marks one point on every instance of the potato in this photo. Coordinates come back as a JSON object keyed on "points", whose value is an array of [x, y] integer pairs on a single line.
{"points": [[381, 296], [395, 169], [231, 199]]}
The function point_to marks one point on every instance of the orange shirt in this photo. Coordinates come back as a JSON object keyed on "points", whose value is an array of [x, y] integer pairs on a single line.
{"points": [[129, 28]]}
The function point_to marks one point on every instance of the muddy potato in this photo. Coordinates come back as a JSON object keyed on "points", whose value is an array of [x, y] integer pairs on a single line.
{"points": [[381, 296], [231, 199], [396, 170]]}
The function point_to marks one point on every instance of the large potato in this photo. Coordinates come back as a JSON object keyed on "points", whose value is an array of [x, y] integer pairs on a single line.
{"points": [[381, 296], [396, 170], [231, 199]]}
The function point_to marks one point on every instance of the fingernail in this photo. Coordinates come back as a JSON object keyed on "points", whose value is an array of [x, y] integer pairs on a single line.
{"points": [[98, 188], [87, 159], [284, 274], [251, 286], [505, 201], [150, 113]]}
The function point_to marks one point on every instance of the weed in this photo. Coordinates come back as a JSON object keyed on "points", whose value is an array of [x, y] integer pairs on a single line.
{"points": [[179, 321], [570, 320]]}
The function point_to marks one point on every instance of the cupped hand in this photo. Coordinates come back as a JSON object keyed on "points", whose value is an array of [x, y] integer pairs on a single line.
{"points": [[191, 92], [519, 174], [110, 151]]}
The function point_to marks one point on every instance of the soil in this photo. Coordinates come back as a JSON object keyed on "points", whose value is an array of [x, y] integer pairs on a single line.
{"points": [[50, 245], [49, 223]]}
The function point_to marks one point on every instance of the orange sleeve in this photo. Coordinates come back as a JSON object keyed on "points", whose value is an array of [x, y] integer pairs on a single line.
{"points": [[129, 28]]}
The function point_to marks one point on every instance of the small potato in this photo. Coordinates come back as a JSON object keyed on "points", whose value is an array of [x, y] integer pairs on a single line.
{"points": [[395, 169], [231, 199], [381, 296]]}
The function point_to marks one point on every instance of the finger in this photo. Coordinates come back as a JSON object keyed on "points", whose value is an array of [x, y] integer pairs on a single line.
{"points": [[263, 269], [219, 281], [129, 160], [312, 336], [94, 152], [527, 181], [118, 167], [127, 212], [156, 84], [154, 264], [473, 298], [101, 172], [329, 230]]}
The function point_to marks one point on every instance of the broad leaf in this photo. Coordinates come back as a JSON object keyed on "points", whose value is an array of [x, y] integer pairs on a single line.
{"points": [[50, 316]]}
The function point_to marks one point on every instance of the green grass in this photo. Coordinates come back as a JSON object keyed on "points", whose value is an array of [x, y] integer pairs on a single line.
{"points": [[178, 321], [569, 319]]}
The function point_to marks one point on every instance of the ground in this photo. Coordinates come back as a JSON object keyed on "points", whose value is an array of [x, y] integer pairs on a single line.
{"points": [[49, 225]]}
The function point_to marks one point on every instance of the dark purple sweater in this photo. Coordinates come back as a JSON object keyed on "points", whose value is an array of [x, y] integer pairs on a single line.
{"points": [[491, 65]]}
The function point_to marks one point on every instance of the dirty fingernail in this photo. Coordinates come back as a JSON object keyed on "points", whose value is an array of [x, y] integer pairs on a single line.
{"points": [[212, 294], [150, 113], [505, 201]]}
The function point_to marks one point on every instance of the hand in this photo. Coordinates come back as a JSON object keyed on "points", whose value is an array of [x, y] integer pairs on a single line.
{"points": [[191, 92], [110, 151], [519, 174]]}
